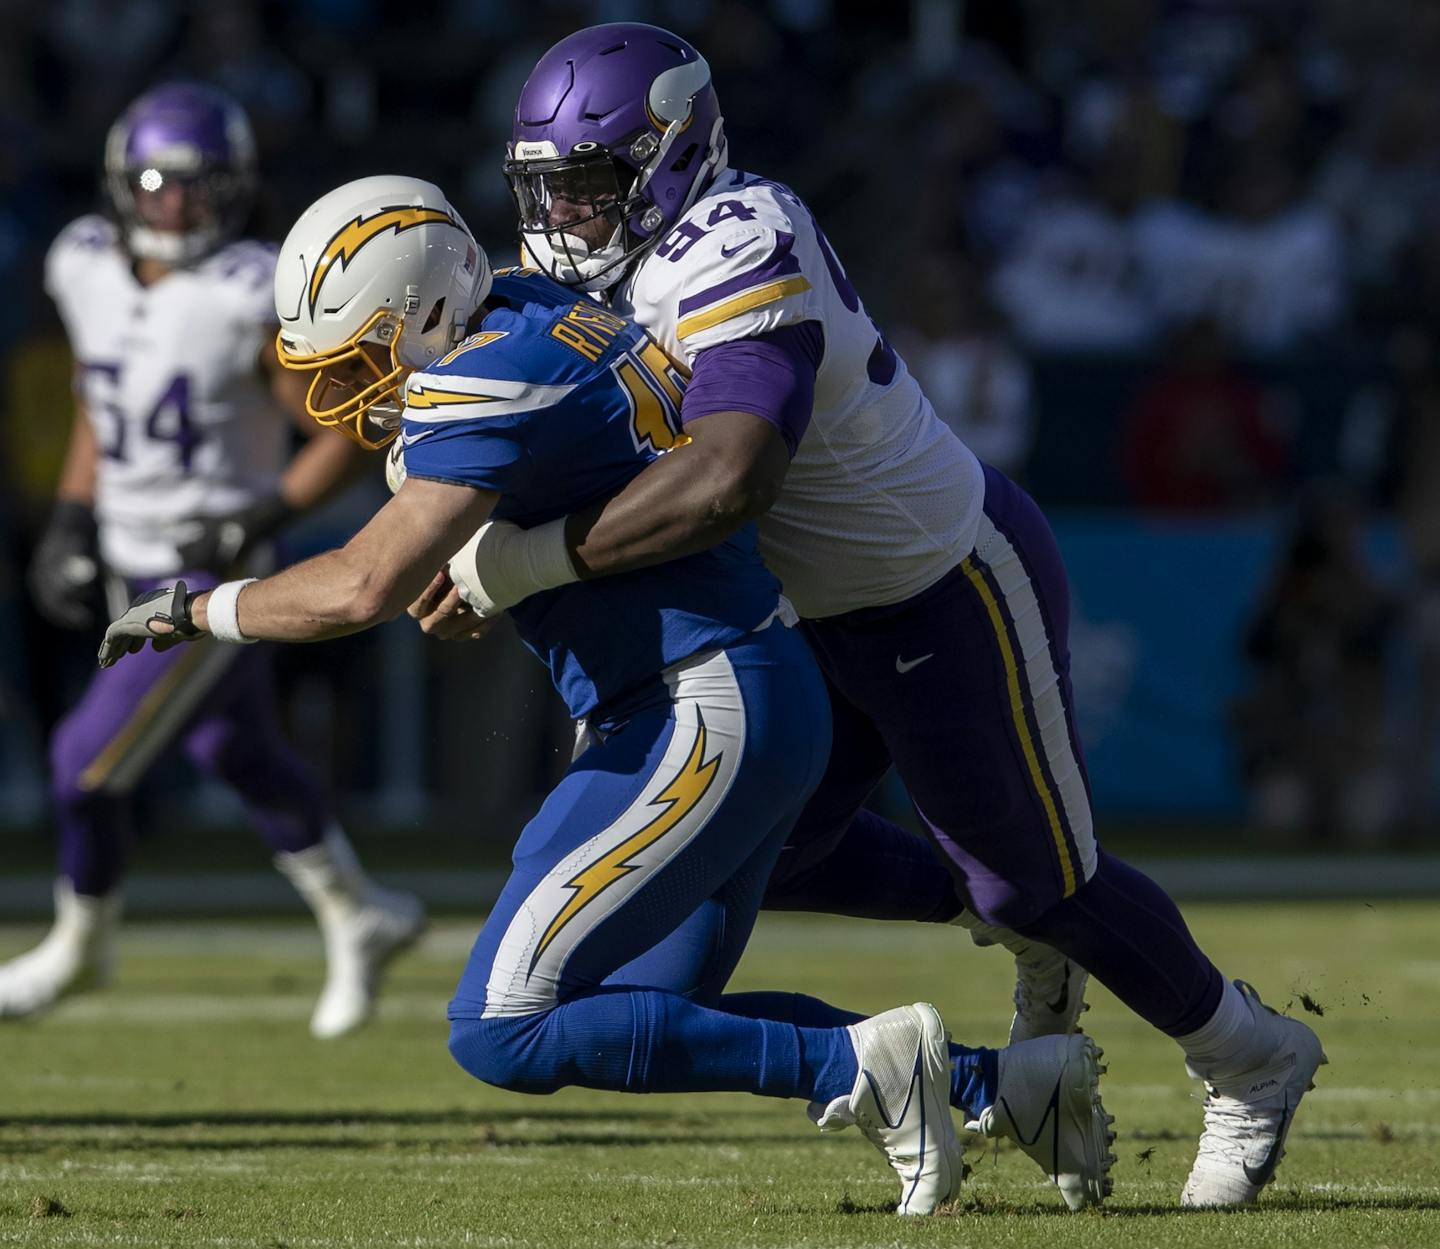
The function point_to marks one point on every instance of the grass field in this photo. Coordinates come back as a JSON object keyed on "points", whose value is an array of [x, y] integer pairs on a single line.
{"points": [[189, 1106]]}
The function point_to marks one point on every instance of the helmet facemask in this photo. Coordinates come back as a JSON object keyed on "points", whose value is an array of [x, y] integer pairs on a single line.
{"points": [[576, 213], [365, 375], [211, 208], [366, 404]]}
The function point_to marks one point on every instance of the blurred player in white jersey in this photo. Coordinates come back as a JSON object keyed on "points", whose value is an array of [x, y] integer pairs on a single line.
{"points": [[931, 587], [177, 463]]}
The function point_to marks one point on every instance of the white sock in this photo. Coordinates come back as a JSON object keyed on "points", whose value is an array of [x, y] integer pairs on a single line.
{"points": [[83, 921], [1223, 1046], [983, 934], [328, 876]]}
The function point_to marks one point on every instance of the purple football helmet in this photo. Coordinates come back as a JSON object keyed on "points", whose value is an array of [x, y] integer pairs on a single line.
{"points": [[180, 171], [616, 133]]}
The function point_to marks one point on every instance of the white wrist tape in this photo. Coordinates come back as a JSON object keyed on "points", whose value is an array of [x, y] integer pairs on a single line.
{"points": [[221, 611], [503, 565]]}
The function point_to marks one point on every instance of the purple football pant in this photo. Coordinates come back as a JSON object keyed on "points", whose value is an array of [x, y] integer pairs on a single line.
{"points": [[218, 702], [965, 688]]}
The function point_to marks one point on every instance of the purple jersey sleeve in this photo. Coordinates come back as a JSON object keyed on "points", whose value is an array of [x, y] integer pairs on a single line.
{"points": [[771, 375]]}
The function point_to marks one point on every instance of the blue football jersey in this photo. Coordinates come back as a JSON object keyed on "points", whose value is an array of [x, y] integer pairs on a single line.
{"points": [[555, 403]]}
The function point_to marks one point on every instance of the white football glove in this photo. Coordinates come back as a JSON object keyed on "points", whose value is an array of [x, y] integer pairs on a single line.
{"points": [[504, 564]]}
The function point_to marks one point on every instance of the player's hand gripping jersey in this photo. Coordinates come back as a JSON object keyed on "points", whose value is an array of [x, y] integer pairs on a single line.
{"points": [[554, 403], [881, 499], [167, 373]]}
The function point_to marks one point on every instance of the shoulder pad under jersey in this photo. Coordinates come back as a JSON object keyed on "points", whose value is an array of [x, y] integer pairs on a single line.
{"points": [[243, 273], [74, 248], [734, 266]]}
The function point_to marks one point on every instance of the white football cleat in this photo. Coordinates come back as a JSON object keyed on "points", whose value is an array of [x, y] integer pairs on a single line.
{"points": [[1049, 988], [1047, 1101], [78, 953], [1248, 1116], [358, 945], [901, 1102], [364, 927], [1049, 994]]}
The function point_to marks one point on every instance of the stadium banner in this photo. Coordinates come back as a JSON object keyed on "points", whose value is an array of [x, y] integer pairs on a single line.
{"points": [[1160, 607]]}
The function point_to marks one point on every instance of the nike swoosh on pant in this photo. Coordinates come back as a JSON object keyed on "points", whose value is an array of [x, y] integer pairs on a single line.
{"points": [[904, 665]]}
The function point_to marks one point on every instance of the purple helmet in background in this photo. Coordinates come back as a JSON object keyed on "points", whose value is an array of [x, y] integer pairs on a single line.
{"points": [[180, 171], [617, 132]]}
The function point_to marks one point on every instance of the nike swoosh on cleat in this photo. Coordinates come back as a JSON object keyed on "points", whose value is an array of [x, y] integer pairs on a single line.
{"points": [[904, 665], [1060, 1003], [1261, 1175], [1052, 1117]]}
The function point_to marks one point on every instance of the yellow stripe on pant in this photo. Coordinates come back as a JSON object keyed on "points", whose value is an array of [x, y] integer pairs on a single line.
{"points": [[1022, 726]]}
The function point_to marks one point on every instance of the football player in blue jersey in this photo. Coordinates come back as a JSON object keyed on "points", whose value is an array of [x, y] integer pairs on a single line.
{"points": [[636, 885], [929, 585]]}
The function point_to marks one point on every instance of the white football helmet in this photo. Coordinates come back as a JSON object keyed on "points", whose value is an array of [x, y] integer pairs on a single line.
{"points": [[384, 261]]}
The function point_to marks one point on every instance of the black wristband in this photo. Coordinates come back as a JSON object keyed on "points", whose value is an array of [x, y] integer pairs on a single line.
{"points": [[180, 613]]}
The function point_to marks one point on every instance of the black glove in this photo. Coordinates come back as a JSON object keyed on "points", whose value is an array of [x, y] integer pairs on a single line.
{"points": [[225, 540], [64, 573], [130, 631]]}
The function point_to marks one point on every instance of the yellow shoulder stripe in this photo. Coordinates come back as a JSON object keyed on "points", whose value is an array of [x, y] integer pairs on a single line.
{"points": [[746, 301]]}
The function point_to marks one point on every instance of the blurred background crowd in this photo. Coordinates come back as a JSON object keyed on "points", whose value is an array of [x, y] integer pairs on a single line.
{"points": [[1175, 264]]}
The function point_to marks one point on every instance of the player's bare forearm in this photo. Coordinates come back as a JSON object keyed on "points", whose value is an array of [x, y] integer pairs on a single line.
{"points": [[687, 500], [77, 473], [371, 579], [324, 466]]}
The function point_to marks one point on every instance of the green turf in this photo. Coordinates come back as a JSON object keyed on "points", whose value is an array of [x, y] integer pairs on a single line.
{"points": [[188, 1106]]}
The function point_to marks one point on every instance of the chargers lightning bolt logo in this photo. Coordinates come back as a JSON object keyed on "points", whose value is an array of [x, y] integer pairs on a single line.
{"points": [[677, 800], [353, 235], [423, 397]]}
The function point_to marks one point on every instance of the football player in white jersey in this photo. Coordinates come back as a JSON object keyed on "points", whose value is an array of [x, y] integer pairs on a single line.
{"points": [[177, 463], [932, 589]]}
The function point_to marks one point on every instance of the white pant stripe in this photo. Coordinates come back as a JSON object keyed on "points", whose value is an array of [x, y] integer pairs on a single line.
{"points": [[1042, 684], [602, 874]]}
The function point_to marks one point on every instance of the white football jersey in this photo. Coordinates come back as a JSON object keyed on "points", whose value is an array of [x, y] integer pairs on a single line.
{"points": [[881, 499], [168, 374]]}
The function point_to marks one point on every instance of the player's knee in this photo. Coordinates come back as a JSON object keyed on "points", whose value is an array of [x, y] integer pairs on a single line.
{"points": [[504, 1052], [220, 750], [1016, 905]]}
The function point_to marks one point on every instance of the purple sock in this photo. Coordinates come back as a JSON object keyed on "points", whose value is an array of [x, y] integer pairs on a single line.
{"points": [[94, 840], [1127, 933]]}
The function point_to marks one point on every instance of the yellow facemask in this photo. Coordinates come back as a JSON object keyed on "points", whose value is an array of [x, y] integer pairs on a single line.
{"points": [[351, 416]]}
